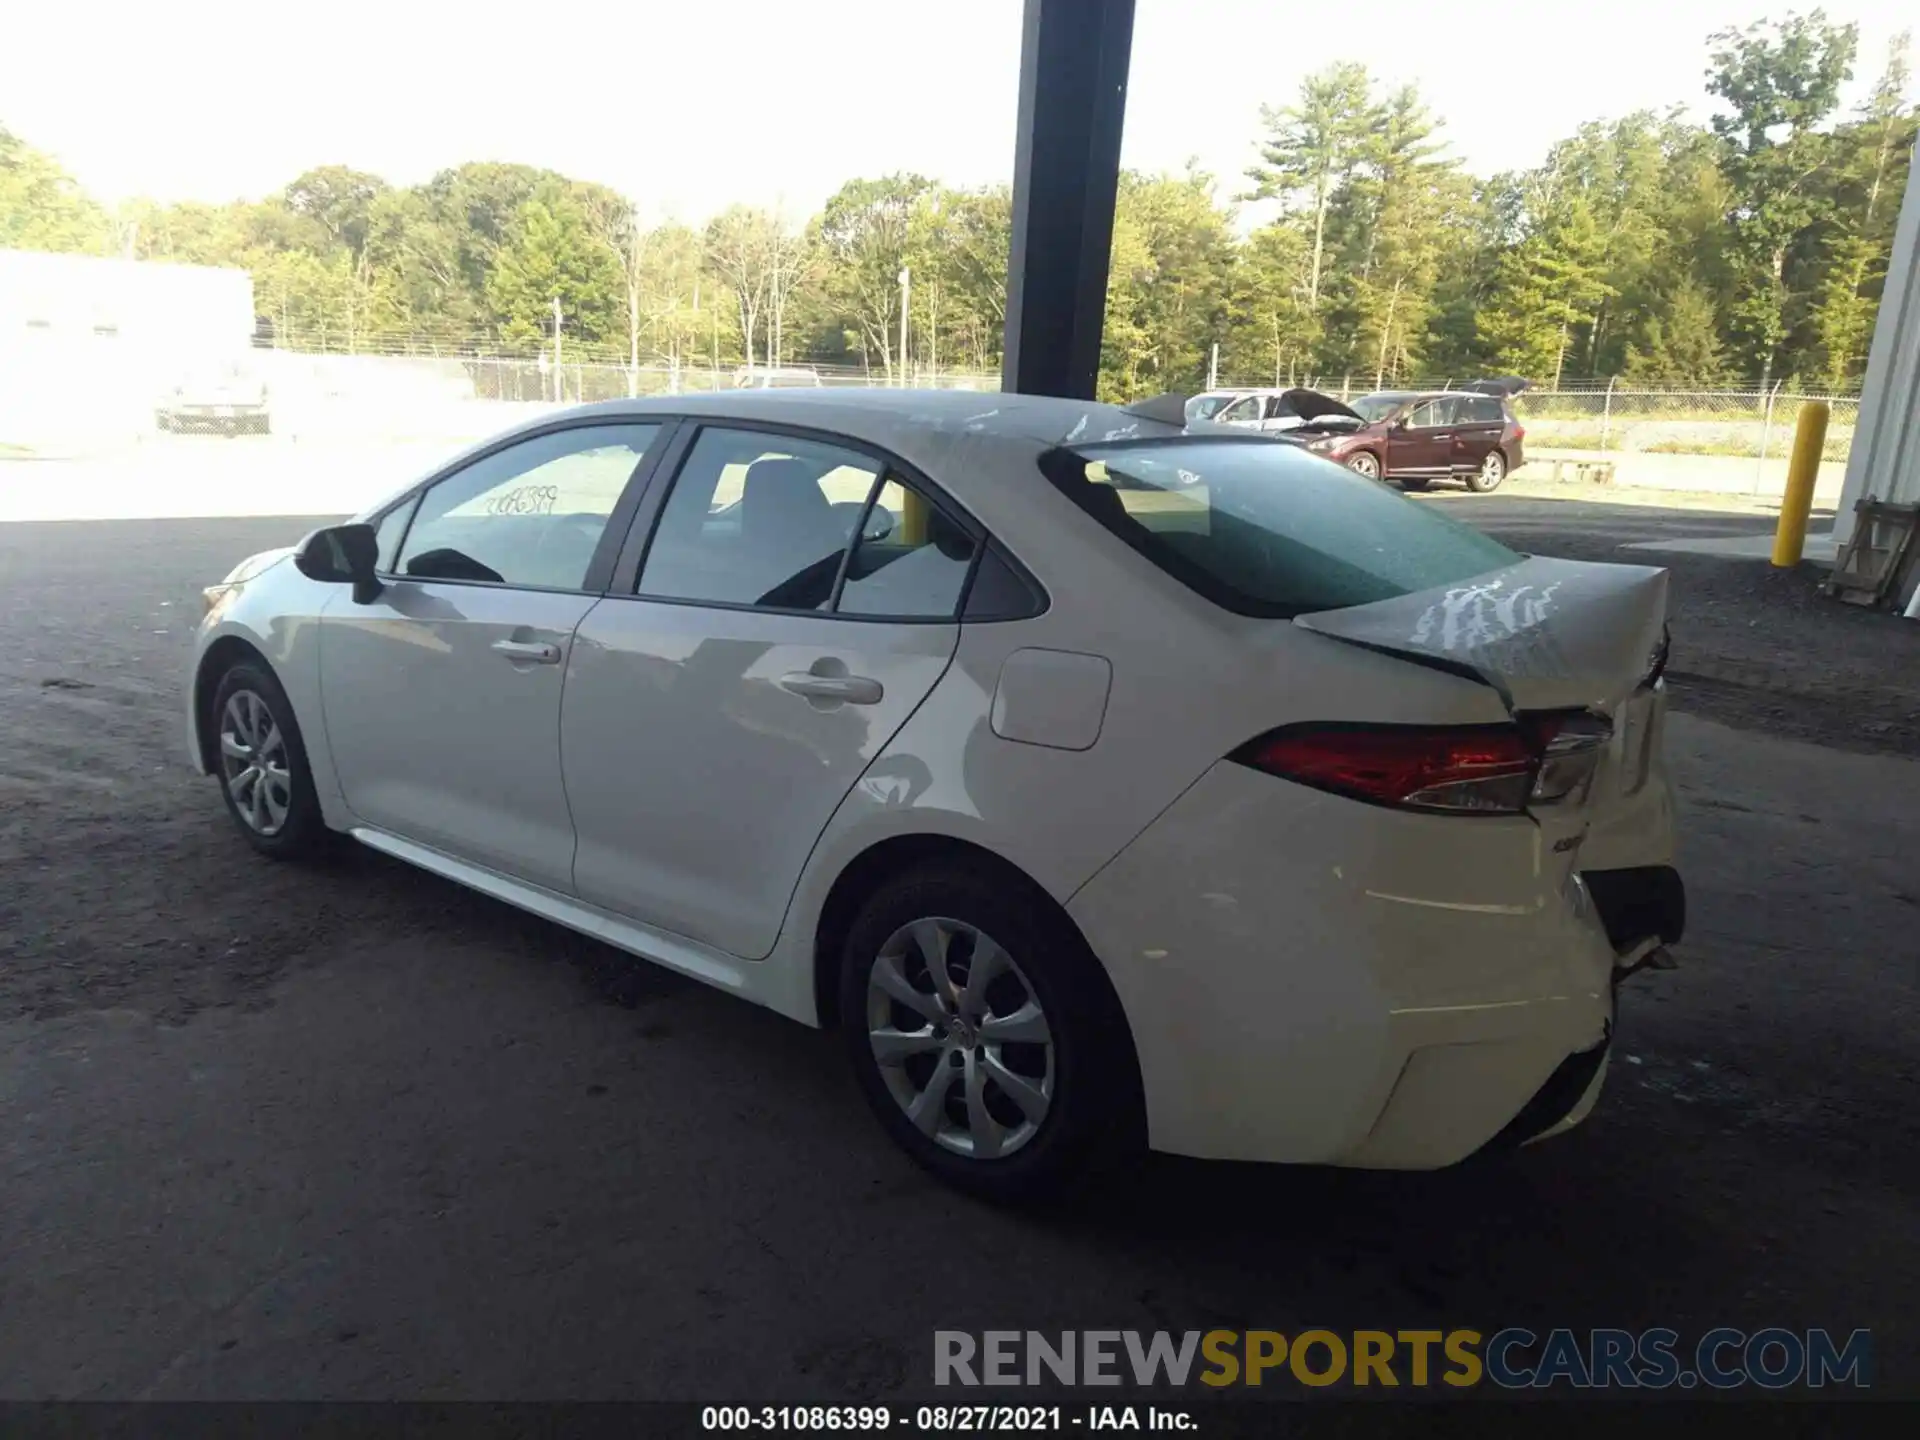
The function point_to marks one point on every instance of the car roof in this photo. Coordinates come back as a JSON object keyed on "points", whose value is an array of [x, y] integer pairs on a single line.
{"points": [[925, 428], [1431, 395]]}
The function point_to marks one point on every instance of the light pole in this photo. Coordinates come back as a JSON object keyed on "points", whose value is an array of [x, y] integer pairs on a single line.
{"points": [[906, 297], [559, 380]]}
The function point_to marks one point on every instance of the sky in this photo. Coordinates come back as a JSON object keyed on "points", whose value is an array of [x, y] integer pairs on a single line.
{"points": [[688, 107]]}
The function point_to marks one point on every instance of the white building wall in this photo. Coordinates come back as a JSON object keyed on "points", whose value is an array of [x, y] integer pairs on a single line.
{"points": [[1885, 462], [88, 345]]}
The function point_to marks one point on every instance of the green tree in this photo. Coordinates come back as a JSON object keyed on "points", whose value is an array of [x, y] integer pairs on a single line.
{"points": [[1264, 331], [42, 207], [864, 235], [971, 253], [419, 253], [1166, 285], [1679, 343], [1393, 215], [1858, 237], [1309, 151], [1551, 281], [1779, 82], [338, 201], [552, 255]]}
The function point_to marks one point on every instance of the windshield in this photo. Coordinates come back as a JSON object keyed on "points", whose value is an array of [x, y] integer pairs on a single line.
{"points": [[1264, 528], [1377, 407], [1205, 407]]}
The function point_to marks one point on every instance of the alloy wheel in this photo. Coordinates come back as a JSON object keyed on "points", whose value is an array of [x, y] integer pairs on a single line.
{"points": [[1365, 464], [960, 1038], [1493, 470], [254, 763]]}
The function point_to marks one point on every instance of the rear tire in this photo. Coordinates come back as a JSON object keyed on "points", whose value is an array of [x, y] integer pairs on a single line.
{"points": [[260, 761], [1487, 478], [1034, 1068]]}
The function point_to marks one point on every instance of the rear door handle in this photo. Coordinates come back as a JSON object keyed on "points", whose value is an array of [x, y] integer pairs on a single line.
{"points": [[843, 689], [528, 652]]}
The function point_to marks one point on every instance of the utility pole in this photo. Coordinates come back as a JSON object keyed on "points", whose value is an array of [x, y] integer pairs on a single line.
{"points": [[906, 296], [1213, 367], [558, 380]]}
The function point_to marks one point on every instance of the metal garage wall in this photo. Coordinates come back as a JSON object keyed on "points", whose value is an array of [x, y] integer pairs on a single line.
{"points": [[1885, 463]]}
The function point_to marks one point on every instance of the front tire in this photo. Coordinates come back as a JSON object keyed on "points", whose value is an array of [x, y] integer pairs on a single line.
{"points": [[1487, 478], [260, 760], [983, 1035], [1365, 463]]}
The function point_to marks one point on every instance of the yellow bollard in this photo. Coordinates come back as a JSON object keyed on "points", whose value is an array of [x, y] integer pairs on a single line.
{"points": [[1809, 435], [913, 519]]}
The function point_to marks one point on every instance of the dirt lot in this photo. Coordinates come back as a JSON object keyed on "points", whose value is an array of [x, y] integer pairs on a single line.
{"points": [[357, 1133]]}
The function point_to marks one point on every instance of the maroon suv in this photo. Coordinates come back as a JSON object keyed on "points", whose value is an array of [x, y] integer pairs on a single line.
{"points": [[1414, 437]]}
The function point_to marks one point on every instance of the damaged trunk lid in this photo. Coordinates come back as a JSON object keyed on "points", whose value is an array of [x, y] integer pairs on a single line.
{"points": [[1546, 634], [1554, 637]]}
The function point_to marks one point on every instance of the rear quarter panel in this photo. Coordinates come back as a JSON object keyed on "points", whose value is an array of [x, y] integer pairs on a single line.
{"points": [[1190, 683]]}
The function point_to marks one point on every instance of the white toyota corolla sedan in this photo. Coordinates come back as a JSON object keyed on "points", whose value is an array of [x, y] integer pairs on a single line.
{"points": [[1104, 782]]}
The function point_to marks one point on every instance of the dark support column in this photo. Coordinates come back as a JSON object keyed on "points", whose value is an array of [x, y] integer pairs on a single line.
{"points": [[1066, 170]]}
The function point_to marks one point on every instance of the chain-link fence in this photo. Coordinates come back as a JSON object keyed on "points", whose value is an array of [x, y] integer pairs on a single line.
{"points": [[91, 396], [1611, 418], [520, 379], [1747, 423]]}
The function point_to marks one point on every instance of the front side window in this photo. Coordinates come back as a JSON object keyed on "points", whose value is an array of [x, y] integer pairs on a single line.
{"points": [[1268, 530], [1431, 415], [389, 530], [758, 519], [1242, 411], [529, 515]]}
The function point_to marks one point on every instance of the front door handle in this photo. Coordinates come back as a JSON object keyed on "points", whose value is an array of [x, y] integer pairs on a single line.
{"points": [[528, 652], [833, 689]]}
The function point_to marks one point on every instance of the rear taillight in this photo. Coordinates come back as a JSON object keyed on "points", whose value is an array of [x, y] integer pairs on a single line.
{"points": [[1519, 431], [1448, 769], [1569, 748]]}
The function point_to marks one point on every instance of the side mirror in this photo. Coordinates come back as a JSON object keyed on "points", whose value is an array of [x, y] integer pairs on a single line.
{"points": [[342, 555]]}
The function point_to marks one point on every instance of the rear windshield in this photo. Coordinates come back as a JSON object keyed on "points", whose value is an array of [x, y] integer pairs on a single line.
{"points": [[1261, 527]]}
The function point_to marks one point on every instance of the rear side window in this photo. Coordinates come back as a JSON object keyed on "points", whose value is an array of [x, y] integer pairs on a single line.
{"points": [[910, 561], [1262, 528], [758, 519], [1484, 410]]}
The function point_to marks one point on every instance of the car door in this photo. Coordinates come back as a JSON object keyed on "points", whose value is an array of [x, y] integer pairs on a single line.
{"points": [[1421, 443], [1478, 422], [719, 708], [1246, 411], [442, 696], [1276, 415]]}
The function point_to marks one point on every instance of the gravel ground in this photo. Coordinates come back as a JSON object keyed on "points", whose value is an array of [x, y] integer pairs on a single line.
{"points": [[357, 1133]]}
